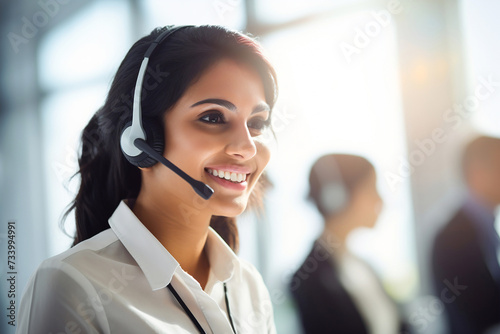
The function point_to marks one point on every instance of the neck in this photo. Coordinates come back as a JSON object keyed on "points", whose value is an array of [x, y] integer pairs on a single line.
{"points": [[484, 200], [339, 227], [181, 229]]}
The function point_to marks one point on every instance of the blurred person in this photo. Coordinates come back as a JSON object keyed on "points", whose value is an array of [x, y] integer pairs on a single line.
{"points": [[150, 255], [465, 254], [335, 291]]}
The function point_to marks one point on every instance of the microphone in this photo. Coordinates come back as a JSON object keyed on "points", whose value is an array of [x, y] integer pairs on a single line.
{"points": [[199, 187]]}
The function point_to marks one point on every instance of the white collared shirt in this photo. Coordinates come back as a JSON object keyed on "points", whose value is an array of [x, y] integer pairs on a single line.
{"points": [[116, 282]]}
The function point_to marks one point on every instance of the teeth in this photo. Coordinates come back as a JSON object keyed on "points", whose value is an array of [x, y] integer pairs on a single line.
{"points": [[231, 176]]}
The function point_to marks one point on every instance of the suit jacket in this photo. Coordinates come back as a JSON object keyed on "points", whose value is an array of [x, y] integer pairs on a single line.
{"points": [[324, 304], [465, 268]]}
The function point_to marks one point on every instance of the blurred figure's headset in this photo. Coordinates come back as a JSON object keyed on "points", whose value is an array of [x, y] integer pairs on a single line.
{"points": [[333, 196], [142, 141]]}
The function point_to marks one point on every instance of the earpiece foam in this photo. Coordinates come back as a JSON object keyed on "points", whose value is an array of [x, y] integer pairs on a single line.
{"points": [[154, 138]]}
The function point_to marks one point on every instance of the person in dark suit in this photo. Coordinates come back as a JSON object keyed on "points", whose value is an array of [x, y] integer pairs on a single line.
{"points": [[465, 256], [335, 291]]}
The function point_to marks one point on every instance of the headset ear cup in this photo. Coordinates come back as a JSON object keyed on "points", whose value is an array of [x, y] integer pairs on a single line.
{"points": [[333, 197], [154, 138]]}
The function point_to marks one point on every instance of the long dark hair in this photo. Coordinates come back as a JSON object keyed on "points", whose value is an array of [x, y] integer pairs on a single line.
{"points": [[106, 176]]}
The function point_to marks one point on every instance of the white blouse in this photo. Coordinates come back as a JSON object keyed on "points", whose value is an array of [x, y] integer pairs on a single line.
{"points": [[116, 282]]}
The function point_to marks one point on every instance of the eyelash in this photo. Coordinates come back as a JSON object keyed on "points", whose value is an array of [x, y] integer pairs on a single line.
{"points": [[217, 114], [262, 123], [217, 117]]}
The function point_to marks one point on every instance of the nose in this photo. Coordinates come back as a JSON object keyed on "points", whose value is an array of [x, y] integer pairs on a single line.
{"points": [[241, 144]]}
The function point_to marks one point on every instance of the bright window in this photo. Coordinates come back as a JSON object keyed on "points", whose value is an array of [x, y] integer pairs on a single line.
{"points": [[480, 24], [229, 13], [76, 63]]}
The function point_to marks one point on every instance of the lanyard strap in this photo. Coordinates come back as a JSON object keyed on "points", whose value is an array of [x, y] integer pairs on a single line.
{"points": [[186, 309], [191, 315], [228, 310]]}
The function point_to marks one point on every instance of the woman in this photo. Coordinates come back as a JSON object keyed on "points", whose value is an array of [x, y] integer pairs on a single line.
{"points": [[150, 255], [335, 291]]}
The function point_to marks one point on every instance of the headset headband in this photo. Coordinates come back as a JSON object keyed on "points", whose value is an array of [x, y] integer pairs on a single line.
{"points": [[137, 130]]}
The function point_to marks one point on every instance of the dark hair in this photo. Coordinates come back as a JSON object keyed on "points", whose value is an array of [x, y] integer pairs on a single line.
{"points": [[106, 176], [347, 170]]}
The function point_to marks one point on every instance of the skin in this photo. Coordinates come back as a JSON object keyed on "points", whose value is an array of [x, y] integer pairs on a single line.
{"points": [[483, 179], [198, 136], [362, 211]]}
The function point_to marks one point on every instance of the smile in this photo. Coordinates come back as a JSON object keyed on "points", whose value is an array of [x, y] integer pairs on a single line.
{"points": [[227, 175]]}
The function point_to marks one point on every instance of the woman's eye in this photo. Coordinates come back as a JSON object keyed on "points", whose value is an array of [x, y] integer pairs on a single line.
{"points": [[215, 118], [258, 124]]}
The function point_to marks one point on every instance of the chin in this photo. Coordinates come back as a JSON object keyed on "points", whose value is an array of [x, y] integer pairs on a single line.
{"points": [[230, 208]]}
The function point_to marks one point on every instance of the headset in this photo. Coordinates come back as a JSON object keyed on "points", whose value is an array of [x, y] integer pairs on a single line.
{"points": [[334, 195], [142, 141]]}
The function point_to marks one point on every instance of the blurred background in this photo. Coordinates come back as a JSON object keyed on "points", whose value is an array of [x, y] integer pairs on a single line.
{"points": [[394, 81]]}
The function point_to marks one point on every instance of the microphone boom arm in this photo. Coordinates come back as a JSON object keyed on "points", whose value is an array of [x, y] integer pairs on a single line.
{"points": [[199, 187]]}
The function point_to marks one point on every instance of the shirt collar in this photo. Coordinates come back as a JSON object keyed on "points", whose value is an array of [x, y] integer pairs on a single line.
{"points": [[223, 261], [157, 264]]}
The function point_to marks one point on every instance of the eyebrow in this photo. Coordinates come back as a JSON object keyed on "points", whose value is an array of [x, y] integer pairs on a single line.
{"points": [[262, 106]]}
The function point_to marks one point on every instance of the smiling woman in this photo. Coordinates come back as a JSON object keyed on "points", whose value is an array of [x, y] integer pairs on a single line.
{"points": [[149, 254]]}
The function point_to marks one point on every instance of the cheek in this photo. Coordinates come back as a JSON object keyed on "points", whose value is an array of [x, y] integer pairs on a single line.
{"points": [[262, 158], [263, 154], [183, 144], [370, 203]]}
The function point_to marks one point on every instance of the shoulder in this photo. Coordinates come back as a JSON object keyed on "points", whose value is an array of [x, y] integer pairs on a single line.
{"points": [[71, 257], [456, 250], [88, 254], [317, 269], [72, 264], [78, 268], [68, 288], [91, 263], [63, 284], [457, 234]]}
